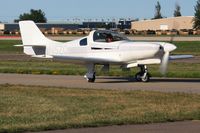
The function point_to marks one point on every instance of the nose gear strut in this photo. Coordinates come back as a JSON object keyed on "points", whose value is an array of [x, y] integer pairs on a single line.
{"points": [[143, 75]]}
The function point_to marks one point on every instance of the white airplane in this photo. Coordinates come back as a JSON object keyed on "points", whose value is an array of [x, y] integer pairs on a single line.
{"points": [[99, 47]]}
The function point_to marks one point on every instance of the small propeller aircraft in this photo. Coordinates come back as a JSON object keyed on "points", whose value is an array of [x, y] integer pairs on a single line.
{"points": [[100, 47]]}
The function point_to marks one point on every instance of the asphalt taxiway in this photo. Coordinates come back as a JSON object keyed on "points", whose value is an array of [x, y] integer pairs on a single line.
{"points": [[119, 83], [174, 127]]}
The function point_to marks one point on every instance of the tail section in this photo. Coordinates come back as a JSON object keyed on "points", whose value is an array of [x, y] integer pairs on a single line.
{"points": [[34, 42]]}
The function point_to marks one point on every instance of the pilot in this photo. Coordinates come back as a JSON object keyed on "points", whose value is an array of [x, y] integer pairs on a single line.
{"points": [[109, 38]]}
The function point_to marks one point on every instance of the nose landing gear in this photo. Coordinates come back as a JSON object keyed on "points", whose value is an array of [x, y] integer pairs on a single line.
{"points": [[143, 75]]}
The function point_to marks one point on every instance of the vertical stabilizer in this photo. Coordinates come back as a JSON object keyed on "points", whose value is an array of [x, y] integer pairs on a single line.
{"points": [[31, 35], [34, 42]]}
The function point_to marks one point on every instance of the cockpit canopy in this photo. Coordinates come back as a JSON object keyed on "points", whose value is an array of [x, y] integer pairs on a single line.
{"points": [[107, 36]]}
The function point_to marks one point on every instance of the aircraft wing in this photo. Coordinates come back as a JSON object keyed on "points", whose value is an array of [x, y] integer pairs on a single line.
{"points": [[176, 57], [83, 59], [156, 61]]}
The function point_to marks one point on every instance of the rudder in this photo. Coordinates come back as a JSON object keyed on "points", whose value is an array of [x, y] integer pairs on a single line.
{"points": [[34, 42]]}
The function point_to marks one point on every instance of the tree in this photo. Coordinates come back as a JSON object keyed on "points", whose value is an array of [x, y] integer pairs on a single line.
{"points": [[177, 11], [196, 20], [38, 16], [158, 11]]}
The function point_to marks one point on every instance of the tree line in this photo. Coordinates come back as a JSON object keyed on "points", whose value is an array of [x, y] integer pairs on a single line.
{"points": [[38, 16], [158, 15], [177, 13]]}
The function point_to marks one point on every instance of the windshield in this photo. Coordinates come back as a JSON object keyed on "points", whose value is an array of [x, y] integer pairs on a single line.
{"points": [[108, 36]]}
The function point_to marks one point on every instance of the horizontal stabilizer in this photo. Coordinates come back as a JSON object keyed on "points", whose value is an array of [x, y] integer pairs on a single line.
{"points": [[21, 45], [18, 45], [42, 56]]}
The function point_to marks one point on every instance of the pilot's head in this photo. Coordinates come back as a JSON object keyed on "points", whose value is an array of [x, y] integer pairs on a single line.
{"points": [[109, 38]]}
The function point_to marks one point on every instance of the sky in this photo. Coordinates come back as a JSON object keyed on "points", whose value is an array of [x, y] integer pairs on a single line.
{"points": [[93, 9]]}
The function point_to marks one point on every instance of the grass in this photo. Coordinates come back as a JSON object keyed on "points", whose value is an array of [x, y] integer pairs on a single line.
{"points": [[41, 67], [34, 108], [7, 47], [187, 48], [184, 70]]}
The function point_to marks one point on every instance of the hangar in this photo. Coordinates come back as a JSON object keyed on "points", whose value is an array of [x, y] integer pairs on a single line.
{"points": [[177, 23]]}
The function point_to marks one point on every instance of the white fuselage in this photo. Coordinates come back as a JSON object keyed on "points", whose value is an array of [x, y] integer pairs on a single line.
{"points": [[99, 47], [115, 52]]}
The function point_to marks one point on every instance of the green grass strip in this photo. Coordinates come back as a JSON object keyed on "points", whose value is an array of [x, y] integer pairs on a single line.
{"points": [[34, 108]]}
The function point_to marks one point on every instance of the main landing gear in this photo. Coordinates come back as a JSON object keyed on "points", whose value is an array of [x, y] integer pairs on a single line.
{"points": [[90, 75], [143, 75]]}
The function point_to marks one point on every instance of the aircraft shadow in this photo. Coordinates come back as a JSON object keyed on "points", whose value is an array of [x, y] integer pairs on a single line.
{"points": [[116, 80], [176, 80], [153, 80]]}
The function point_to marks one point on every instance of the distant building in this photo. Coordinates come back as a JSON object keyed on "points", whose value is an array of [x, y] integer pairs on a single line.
{"points": [[97, 25], [177, 23], [70, 28], [10, 27], [2, 27], [15, 26], [124, 24]]}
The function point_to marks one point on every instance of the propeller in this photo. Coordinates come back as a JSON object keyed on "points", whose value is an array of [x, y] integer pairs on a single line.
{"points": [[164, 64], [167, 48]]}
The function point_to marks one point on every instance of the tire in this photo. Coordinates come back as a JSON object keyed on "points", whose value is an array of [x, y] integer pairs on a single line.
{"points": [[92, 80], [138, 76], [146, 78]]}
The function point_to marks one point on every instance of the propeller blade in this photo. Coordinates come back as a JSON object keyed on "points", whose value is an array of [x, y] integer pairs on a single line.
{"points": [[167, 48], [164, 64]]}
